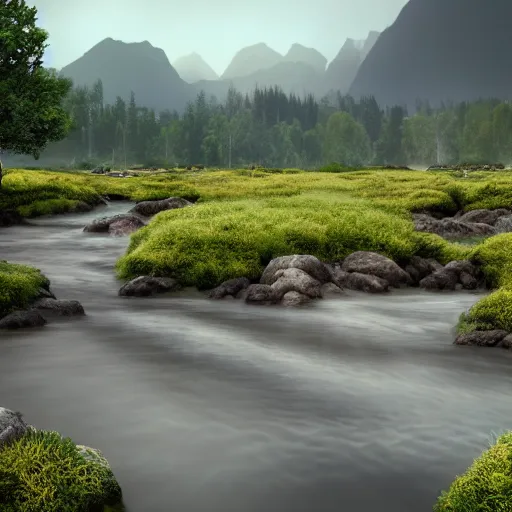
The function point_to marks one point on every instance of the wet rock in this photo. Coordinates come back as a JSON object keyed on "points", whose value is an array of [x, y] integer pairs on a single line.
{"points": [[150, 208], [506, 342], [440, 280], [60, 307], [294, 299], [145, 286], [45, 294], [504, 224], [360, 282], [451, 228], [331, 289], [484, 216], [118, 224], [296, 280], [468, 281], [10, 218], [459, 266], [482, 338], [12, 426], [260, 294], [231, 288], [374, 264], [22, 319], [419, 268], [308, 264]]}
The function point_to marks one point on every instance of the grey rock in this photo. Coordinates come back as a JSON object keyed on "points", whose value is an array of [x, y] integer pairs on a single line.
{"points": [[504, 224], [260, 294], [294, 299], [374, 264], [360, 282], [296, 280], [419, 268], [46, 294], [450, 228], [124, 223], [460, 266], [468, 281], [484, 216], [440, 280], [60, 307], [231, 287], [150, 208], [482, 338], [144, 286], [506, 342], [331, 289], [22, 319], [309, 264], [12, 426]]}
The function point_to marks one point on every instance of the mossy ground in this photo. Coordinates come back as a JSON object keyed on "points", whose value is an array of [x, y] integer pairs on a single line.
{"points": [[487, 484], [43, 471], [19, 286]]}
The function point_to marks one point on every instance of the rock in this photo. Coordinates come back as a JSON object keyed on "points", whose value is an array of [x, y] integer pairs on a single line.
{"points": [[150, 208], [231, 287], [60, 307], [506, 342], [144, 286], [459, 266], [308, 264], [22, 319], [12, 426], [504, 224], [123, 223], [294, 299], [484, 216], [482, 338], [45, 294], [82, 207], [360, 282], [419, 268], [440, 280], [450, 228], [260, 294], [10, 218], [374, 264], [331, 289], [468, 281], [296, 280]]}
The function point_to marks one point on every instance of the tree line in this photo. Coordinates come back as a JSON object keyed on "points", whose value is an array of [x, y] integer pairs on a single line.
{"points": [[273, 129]]}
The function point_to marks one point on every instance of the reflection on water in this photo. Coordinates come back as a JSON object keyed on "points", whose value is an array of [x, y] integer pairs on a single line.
{"points": [[357, 404]]}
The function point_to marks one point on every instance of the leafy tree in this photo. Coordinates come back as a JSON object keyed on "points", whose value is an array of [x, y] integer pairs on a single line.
{"points": [[31, 113]]}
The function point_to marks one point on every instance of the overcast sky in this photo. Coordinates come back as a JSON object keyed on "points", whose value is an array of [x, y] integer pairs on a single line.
{"points": [[214, 29]]}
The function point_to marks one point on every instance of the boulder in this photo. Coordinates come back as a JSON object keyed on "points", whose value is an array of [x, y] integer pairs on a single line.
{"points": [[45, 294], [440, 280], [118, 224], [150, 208], [12, 426], [60, 307], [294, 299], [506, 342], [504, 224], [374, 264], [144, 286], [22, 319], [295, 280], [468, 281], [459, 266], [260, 294], [231, 288], [331, 289], [451, 228], [482, 338], [308, 264], [419, 268], [484, 216], [360, 282]]}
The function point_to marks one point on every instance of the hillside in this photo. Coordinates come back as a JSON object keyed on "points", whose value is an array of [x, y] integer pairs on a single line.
{"points": [[193, 68], [441, 50], [250, 60], [125, 67], [342, 70], [310, 56]]}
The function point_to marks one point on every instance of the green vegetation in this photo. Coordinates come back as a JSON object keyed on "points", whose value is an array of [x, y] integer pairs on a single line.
{"points": [[19, 286], [486, 486], [43, 471]]}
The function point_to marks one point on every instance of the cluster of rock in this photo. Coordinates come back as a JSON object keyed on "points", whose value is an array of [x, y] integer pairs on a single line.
{"points": [[473, 223], [467, 167], [494, 338], [44, 308]]}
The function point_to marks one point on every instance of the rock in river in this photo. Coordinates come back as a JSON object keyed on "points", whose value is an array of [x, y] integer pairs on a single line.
{"points": [[482, 338], [60, 307], [296, 280], [117, 225], [309, 264], [144, 286], [150, 208], [360, 282], [231, 288], [22, 319]]}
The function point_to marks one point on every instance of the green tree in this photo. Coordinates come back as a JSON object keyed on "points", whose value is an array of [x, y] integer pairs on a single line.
{"points": [[31, 113], [419, 140]]}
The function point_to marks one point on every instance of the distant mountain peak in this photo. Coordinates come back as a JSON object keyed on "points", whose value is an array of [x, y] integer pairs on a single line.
{"points": [[310, 56], [193, 68], [250, 59]]}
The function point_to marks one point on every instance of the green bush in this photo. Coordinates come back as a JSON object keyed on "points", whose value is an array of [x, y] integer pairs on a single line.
{"points": [[487, 484], [19, 286], [41, 471]]}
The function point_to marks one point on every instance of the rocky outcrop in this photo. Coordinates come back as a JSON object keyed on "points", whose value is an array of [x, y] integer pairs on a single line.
{"points": [[231, 288], [456, 274], [495, 338], [118, 225], [12, 426], [145, 286], [484, 216], [504, 224], [450, 228], [150, 208], [60, 307], [419, 268], [22, 319]]}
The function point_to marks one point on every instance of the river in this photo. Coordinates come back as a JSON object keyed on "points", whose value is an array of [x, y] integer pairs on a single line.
{"points": [[360, 404]]}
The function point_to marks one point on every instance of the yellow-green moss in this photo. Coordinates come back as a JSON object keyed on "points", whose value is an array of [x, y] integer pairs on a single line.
{"points": [[42, 471], [487, 484], [19, 285]]}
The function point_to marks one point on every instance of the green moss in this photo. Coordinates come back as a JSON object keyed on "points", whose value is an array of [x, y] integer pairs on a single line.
{"points": [[19, 285], [48, 207], [487, 484], [43, 471]]}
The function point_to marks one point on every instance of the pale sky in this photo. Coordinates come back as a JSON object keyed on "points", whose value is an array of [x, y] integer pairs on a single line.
{"points": [[214, 29]]}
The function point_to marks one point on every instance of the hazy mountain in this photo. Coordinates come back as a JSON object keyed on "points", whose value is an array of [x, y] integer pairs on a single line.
{"points": [[342, 70], [193, 68], [251, 59], [441, 50], [310, 56], [369, 43], [126, 67]]}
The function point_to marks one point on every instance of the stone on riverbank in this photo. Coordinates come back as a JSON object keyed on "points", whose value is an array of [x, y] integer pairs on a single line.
{"points": [[484, 216], [22, 319], [419, 268], [295, 280], [305, 262], [122, 224], [262, 294], [360, 282], [12, 426], [294, 299], [145, 286], [451, 228], [60, 307], [150, 208], [231, 288], [492, 338], [460, 273]]}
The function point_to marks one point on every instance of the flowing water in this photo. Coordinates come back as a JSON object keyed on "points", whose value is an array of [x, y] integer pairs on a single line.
{"points": [[359, 404]]}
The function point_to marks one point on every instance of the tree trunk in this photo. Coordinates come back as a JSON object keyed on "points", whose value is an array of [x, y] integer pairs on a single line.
{"points": [[1, 169]]}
